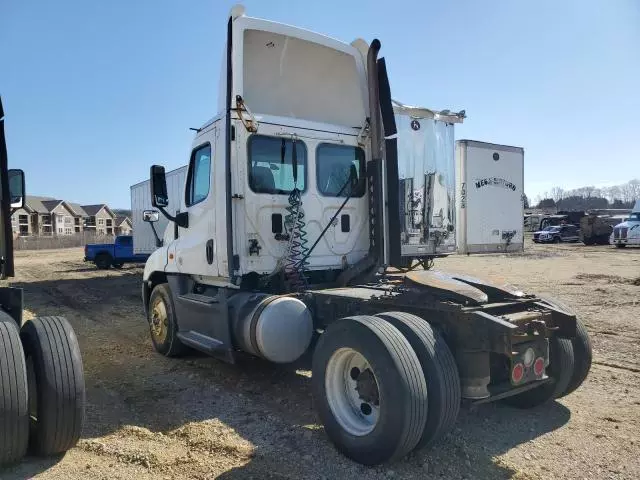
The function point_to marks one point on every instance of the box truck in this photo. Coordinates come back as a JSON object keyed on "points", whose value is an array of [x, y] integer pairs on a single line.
{"points": [[490, 193], [144, 239]]}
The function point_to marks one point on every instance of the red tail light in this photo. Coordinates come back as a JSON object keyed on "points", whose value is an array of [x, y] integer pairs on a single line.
{"points": [[517, 373], [538, 366]]}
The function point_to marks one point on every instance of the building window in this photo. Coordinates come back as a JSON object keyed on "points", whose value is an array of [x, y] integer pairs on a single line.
{"points": [[109, 231], [76, 220], [24, 230], [46, 220], [68, 231], [68, 220], [101, 221], [23, 219], [77, 229]]}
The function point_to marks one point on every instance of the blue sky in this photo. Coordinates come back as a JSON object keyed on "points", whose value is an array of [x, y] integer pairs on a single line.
{"points": [[95, 92]]}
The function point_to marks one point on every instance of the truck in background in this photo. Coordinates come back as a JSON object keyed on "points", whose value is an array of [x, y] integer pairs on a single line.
{"points": [[146, 235], [116, 254], [490, 193], [628, 232]]}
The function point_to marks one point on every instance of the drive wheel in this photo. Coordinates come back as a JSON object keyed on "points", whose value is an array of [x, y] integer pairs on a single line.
{"points": [[14, 403], [440, 372], [621, 245], [561, 367], [56, 384], [163, 323], [369, 389], [557, 240]]}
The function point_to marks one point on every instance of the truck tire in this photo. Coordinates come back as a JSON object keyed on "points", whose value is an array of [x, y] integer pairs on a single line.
{"points": [[582, 350], [557, 240], [118, 265], [103, 261], [14, 401], [56, 380], [561, 367], [440, 373], [163, 324], [357, 362], [621, 245]]}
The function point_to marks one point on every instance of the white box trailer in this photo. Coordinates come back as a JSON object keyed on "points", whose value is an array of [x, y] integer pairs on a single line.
{"points": [[490, 194], [144, 241]]}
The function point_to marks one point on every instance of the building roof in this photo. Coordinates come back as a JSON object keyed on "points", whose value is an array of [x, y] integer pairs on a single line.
{"points": [[77, 209], [93, 209], [36, 204], [121, 220]]}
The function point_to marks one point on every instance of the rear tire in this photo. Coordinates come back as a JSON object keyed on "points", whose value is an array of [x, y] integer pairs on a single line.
{"points": [[118, 265], [561, 368], [388, 373], [103, 261], [163, 324], [621, 245], [557, 240], [582, 350], [56, 379], [14, 401], [440, 372]]}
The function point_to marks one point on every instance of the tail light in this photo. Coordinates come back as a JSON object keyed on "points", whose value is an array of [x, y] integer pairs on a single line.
{"points": [[517, 373], [538, 367]]}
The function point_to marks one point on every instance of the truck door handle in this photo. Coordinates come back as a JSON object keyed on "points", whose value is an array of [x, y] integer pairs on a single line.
{"points": [[209, 249]]}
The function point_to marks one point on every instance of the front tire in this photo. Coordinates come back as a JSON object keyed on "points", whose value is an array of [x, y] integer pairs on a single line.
{"points": [[56, 381], [163, 323], [14, 402], [557, 240], [621, 245], [369, 389], [440, 373]]}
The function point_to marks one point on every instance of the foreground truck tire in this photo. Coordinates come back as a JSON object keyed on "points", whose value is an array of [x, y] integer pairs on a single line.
{"points": [[561, 368], [56, 384], [369, 389], [14, 411], [103, 261], [440, 373], [163, 324]]}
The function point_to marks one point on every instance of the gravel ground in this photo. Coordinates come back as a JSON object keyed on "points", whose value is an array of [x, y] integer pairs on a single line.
{"points": [[197, 418]]}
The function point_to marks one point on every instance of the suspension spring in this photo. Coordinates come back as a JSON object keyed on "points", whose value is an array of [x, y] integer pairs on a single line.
{"points": [[297, 250]]}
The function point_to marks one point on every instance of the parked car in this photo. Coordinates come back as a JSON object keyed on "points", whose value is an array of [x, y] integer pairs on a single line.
{"points": [[557, 234], [106, 255]]}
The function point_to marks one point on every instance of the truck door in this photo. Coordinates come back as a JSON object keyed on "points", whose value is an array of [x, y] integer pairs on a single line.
{"points": [[195, 246], [123, 248]]}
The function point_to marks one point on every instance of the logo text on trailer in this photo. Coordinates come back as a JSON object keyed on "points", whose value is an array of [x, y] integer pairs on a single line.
{"points": [[496, 182]]}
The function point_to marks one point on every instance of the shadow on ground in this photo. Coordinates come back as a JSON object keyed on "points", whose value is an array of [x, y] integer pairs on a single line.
{"points": [[269, 406]]}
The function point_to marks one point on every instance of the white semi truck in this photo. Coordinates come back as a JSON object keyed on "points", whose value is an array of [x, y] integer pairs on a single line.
{"points": [[42, 390], [627, 232], [290, 229]]}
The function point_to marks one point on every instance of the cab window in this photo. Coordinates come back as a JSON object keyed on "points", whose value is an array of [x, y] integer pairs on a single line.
{"points": [[199, 176], [271, 167], [334, 164]]}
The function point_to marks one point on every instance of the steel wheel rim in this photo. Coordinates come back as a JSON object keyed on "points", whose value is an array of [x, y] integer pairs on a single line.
{"points": [[352, 392], [159, 321]]}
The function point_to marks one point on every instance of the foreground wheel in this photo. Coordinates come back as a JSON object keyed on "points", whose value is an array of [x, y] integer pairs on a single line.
{"points": [[561, 367], [582, 350], [118, 265], [557, 240], [440, 372], [163, 324], [369, 389], [103, 261], [14, 410], [56, 384], [621, 245]]}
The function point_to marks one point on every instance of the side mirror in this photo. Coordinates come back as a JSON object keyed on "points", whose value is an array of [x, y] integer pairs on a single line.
{"points": [[150, 216], [159, 196], [16, 188]]}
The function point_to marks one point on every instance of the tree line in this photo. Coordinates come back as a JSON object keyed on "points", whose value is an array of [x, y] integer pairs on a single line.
{"points": [[586, 198]]}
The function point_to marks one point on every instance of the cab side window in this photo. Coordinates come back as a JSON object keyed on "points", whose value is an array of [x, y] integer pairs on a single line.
{"points": [[199, 176]]}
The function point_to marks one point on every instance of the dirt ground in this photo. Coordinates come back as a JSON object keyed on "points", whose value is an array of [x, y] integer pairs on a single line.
{"points": [[197, 418]]}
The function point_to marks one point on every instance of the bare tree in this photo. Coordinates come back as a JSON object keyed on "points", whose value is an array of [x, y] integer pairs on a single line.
{"points": [[557, 193]]}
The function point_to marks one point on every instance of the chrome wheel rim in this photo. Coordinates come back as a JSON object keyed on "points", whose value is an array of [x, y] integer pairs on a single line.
{"points": [[352, 392], [159, 321]]}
